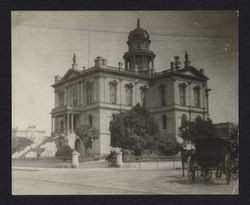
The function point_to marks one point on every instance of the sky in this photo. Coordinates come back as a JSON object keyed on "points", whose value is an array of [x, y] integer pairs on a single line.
{"points": [[43, 44]]}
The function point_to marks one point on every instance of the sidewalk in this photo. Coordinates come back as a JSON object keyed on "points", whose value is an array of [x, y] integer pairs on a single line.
{"points": [[92, 169]]}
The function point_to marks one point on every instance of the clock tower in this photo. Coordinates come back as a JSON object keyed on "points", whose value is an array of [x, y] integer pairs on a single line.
{"points": [[139, 58]]}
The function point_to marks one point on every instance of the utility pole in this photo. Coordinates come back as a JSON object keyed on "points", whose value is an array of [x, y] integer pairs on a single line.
{"points": [[88, 45]]}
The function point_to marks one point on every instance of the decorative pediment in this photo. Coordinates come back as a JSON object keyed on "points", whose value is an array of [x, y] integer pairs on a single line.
{"points": [[71, 74], [189, 73], [193, 72]]}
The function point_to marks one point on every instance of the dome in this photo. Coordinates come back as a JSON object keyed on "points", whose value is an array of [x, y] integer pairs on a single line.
{"points": [[138, 33]]}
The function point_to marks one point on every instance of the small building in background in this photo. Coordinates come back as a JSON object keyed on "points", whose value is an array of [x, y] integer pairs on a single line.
{"points": [[31, 132]]}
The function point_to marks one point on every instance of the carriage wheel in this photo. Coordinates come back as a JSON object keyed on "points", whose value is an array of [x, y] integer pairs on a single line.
{"points": [[208, 174], [191, 170], [218, 173], [228, 168]]}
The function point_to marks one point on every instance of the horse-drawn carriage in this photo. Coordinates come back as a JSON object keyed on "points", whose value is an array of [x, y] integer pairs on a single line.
{"points": [[211, 154]]}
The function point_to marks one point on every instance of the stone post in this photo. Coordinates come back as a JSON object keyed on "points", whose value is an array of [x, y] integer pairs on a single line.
{"points": [[119, 159], [75, 159]]}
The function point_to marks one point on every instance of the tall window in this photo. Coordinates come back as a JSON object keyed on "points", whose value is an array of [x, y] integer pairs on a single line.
{"points": [[182, 90], [129, 94], [113, 91], [90, 120], [197, 96], [143, 95], [183, 119], [74, 96], [164, 122], [162, 89], [61, 98], [90, 93]]}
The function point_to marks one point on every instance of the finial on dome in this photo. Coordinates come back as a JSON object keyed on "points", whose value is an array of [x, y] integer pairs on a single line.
{"points": [[138, 22]]}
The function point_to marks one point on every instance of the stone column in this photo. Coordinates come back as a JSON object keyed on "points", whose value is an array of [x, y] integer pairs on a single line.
{"points": [[119, 159], [189, 101], [65, 97], [72, 122], [67, 122], [120, 93], [203, 96], [80, 93], [55, 98], [70, 97], [104, 82], [135, 94], [52, 129]]}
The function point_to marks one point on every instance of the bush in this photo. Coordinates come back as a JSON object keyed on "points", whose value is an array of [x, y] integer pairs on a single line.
{"points": [[199, 128], [168, 145], [64, 151], [134, 130]]}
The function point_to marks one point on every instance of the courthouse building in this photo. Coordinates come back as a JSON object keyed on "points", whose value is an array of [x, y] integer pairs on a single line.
{"points": [[92, 96]]}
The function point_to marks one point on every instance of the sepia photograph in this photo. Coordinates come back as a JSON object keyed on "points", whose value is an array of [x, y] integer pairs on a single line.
{"points": [[125, 102]]}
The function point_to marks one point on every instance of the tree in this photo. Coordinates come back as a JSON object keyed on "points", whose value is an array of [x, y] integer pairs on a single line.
{"points": [[190, 130], [64, 151], [134, 130], [167, 144], [87, 134]]}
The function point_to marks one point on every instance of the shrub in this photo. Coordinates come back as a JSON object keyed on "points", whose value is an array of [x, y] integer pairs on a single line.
{"points": [[64, 151], [168, 145]]}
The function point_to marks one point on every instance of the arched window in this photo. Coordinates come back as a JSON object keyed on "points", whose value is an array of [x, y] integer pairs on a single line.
{"points": [[143, 95], [183, 119], [61, 98], [164, 122], [197, 96], [74, 96], [162, 89], [113, 91], [90, 93], [129, 94], [182, 91]]}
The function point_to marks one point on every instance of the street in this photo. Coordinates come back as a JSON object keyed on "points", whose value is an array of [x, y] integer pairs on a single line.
{"points": [[113, 181]]}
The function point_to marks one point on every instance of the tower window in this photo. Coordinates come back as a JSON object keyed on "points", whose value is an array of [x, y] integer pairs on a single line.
{"points": [[164, 122], [182, 91], [197, 96]]}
